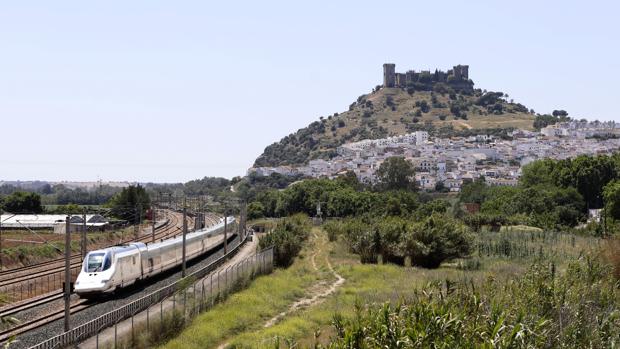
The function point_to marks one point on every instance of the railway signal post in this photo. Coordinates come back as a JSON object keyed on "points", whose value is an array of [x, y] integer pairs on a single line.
{"points": [[67, 274]]}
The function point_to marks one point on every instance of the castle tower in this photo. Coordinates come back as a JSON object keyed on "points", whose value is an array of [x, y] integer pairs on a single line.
{"points": [[461, 72], [465, 72], [389, 75], [457, 72]]}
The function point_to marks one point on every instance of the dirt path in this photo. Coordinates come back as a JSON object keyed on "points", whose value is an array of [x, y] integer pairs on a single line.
{"points": [[464, 125], [317, 293]]}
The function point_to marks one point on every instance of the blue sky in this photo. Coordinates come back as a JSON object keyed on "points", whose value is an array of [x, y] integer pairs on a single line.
{"points": [[170, 91]]}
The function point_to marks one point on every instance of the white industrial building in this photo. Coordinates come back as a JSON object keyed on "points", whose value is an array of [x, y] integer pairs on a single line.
{"points": [[49, 221]]}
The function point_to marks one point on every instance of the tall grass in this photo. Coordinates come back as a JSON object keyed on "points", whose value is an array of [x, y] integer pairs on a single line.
{"points": [[578, 309], [612, 255], [522, 244]]}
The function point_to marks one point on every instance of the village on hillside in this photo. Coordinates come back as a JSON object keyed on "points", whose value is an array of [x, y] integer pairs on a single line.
{"points": [[447, 163]]}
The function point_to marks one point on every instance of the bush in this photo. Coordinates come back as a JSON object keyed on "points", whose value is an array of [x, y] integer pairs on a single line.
{"points": [[287, 239], [437, 239], [256, 210]]}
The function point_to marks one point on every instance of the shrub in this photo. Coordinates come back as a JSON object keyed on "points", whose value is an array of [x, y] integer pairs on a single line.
{"points": [[256, 210], [436, 239], [287, 239]]}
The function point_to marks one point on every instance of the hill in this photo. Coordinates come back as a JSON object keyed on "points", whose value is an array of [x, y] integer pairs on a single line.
{"points": [[388, 111]]}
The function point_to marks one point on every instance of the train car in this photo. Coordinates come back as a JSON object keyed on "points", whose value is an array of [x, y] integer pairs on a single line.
{"points": [[104, 271]]}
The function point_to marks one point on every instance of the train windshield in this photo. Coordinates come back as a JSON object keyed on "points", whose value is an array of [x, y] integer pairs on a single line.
{"points": [[97, 262]]}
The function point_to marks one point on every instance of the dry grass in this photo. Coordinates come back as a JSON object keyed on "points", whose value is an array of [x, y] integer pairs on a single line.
{"points": [[612, 255]]}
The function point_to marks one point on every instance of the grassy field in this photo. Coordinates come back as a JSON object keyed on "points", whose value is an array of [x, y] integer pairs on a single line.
{"points": [[240, 321], [266, 297]]}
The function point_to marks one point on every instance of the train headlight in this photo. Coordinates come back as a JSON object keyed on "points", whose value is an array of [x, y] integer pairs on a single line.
{"points": [[104, 281]]}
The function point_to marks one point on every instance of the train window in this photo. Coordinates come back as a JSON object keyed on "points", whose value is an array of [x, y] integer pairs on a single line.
{"points": [[107, 262], [94, 262]]}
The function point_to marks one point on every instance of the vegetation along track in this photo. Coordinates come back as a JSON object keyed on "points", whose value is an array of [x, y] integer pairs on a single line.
{"points": [[47, 277]]}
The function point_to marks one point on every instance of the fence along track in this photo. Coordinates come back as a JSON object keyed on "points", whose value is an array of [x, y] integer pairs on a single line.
{"points": [[32, 324], [109, 319]]}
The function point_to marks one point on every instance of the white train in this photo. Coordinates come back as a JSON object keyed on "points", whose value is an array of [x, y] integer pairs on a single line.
{"points": [[106, 270]]}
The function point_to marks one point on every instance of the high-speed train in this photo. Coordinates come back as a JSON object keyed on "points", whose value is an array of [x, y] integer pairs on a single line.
{"points": [[104, 271]]}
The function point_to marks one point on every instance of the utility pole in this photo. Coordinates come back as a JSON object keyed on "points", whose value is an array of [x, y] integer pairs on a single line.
{"points": [[67, 274], [83, 240], [243, 217], [139, 217], [225, 233], [153, 221], [184, 233]]}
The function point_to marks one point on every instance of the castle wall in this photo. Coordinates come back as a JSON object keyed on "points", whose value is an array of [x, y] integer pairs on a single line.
{"points": [[459, 77], [401, 80]]}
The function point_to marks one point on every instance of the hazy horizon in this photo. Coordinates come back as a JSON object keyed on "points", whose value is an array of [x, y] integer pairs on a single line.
{"points": [[151, 91]]}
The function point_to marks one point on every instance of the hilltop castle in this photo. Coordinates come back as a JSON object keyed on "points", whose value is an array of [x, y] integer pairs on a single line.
{"points": [[457, 78]]}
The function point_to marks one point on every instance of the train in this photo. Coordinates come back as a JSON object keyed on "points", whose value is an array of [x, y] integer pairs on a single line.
{"points": [[107, 270]]}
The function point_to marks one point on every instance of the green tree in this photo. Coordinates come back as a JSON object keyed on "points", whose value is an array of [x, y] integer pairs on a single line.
{"points": [[256, 210], [396, 173], [474, 192], [611, 193], [130, 204], [23, 202], [436, 239]]}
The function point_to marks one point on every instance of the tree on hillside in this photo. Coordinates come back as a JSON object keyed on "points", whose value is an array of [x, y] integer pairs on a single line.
{"points": [[130, 204], [23, 202], [396, 173]]}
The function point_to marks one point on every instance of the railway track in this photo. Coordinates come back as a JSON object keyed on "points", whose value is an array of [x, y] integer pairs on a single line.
{"points": [[30, 281], [26, 326], [9, 274], [58, 312]]}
